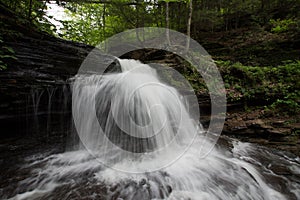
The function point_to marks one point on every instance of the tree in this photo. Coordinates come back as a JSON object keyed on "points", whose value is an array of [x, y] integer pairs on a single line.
{"points": [[86, 24], [189, 25], [167, 23], [34, 11]]}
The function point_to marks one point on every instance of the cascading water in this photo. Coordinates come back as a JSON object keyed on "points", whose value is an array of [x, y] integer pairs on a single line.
{"points": [[47, 107], [131, 127], [36, 97], [137, 114]]}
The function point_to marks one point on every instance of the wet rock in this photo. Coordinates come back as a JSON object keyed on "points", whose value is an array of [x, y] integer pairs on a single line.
{"points": [[271, 131], [257, 123], [235, 124], [278, 123], [44, 65], [296, 128], [280, 169], [279, 131]]}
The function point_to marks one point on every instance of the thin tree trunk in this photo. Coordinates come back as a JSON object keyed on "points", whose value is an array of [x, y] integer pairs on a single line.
{"points": [[15, 5], [142, 23], [167, 24], [137, 23], [187, 47], [262, 5], [236, 20], [104, 24], [30, 10]]}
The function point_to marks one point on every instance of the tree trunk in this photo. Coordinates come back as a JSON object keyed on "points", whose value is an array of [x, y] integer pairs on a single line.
{"points": [[262, 5], [167, 24], [104, 24], [137, 24], [189, 26], [30, 10], [236, 20]]}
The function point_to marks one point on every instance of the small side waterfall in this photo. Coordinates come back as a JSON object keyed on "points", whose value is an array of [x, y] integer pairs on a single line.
{"points": [[133, 122], [48, 111], [50, 92], [36, 98]]}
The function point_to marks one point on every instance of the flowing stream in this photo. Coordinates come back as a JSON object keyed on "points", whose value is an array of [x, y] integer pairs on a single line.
{"points": [[138, 140]]}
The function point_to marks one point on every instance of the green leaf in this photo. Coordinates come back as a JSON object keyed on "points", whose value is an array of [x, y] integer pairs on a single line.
{"points": [[8, 56], [11, 50]]}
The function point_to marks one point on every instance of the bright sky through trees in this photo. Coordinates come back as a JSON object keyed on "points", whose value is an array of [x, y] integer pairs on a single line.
{"points": [[56, 13]]}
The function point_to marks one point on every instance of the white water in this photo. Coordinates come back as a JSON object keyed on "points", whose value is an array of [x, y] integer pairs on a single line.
{"points": [[137, 96], [140, 117]]}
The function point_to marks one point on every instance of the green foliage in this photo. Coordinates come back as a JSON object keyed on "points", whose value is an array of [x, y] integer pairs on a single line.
{"points": [[85, 23], [280, 26], [34, 13], [92, 23], [6, 54], [279, 85], [287, 104]]}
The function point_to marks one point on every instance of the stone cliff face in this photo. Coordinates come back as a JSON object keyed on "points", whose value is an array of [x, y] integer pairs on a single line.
{"points": [[37, 82]]}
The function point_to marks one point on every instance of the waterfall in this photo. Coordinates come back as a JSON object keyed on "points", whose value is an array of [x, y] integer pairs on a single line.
{"points": [[36, 98], [50, 92], [48, 111], [138, 141], [136, 112]]}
